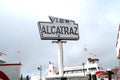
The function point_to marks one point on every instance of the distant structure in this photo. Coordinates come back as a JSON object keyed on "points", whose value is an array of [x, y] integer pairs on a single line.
{"points": [[9, 71], [118, 44], [2, 58]]}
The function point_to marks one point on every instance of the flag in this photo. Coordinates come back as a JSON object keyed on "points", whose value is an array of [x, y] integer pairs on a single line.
{"points": [[85, 48], [50, 62], [118, 43], [2, 54], [40, 68], [19, 56]]}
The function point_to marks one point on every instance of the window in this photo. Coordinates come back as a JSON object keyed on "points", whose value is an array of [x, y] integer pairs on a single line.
{"points": [[92, 69]]}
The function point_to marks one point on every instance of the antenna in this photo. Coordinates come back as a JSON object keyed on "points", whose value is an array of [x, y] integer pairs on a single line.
{"points": [[19, 55]]}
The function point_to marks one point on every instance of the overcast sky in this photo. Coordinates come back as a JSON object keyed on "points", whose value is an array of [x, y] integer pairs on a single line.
{"points": [[98, 22]]}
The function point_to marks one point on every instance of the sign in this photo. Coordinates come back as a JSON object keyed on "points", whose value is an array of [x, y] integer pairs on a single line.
{"points": [[58, 29]]}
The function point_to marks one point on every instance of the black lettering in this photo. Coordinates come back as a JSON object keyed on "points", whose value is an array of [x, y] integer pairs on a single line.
{"points": [[71, 30], [53, 29], [58, 30], [43, 29], [66, 21], [66, 30], [61, 20], [56, 20], [48, 31], [61, 29], [76, 28], [52, 18]]}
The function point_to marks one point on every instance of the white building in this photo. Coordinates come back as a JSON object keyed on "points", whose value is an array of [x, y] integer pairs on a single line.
{"points": [[9, 71]]}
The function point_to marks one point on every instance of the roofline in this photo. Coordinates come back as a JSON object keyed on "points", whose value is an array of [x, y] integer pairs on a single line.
{"points": [[12, 64]]}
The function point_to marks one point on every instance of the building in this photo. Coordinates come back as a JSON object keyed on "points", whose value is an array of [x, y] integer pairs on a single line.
{"points": [[9, 71]]}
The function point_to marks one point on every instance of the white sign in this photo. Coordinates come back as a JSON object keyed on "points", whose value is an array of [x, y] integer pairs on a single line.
{"points": [[58, 29]]}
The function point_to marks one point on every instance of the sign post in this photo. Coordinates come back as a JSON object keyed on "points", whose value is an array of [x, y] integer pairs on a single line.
{"points": [[59, 29], [60, 56]]}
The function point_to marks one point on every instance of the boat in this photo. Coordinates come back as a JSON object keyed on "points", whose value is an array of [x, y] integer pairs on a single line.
{"points": [[84, 70], [78, 72], [90, 67]]}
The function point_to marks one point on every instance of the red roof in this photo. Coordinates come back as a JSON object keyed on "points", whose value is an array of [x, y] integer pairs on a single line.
{"points": [[93, 59], [13, 64]]}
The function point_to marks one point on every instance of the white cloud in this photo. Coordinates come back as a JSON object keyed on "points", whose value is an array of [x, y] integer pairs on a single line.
{"points": [[98, 22]]}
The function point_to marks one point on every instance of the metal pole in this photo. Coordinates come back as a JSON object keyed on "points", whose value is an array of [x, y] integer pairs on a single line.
{"points": [[60, 57], [40, 74], [83, 68], [119, 62], [40, 69], [27, 77]]}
